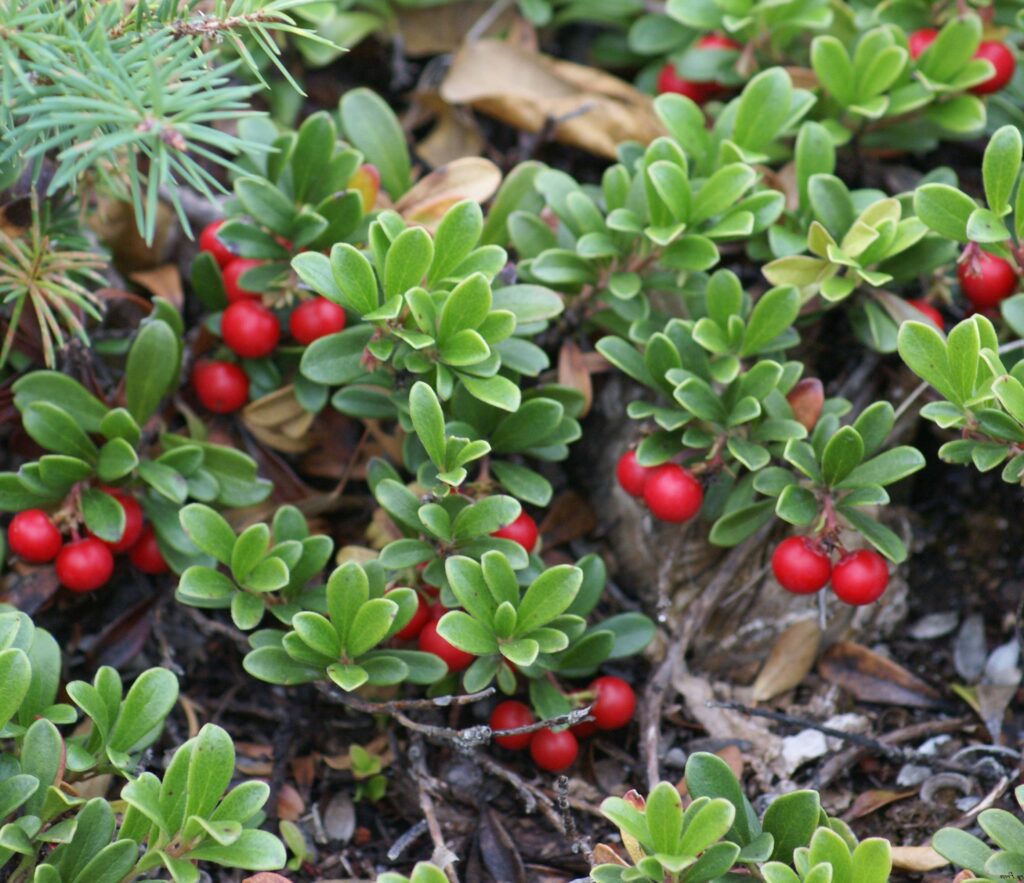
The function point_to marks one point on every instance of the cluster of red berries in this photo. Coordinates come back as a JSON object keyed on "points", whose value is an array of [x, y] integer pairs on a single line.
{"points": [[999, 54], [802, 567], [250, 329], [555, 750], [700, 92], [671, 492], [84, 565]]}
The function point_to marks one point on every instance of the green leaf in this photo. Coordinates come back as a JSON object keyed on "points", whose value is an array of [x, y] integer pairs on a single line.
{"points": [[104, 516], [885, 469], [152, 369], [922, 347], [883, 539], [831, 62], [962, 849], [408, 260], [497, 391], [248, 550], [792, 820], [456, 236], [707, 775], [548, 596], [774, 312], [117, 459], [872, 861], [709, 824], [54, 429], [428, 421], [16, 676], [253, 851], [54, 387], [466, 633], [665, 819], [764, 106], [370, 625], [842, 454], [209, 531], [797, 505], [146, 705], [944, 209], [372, 127]]}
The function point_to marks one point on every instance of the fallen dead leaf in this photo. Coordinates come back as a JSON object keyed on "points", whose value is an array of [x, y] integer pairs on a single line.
{"points": [[917, 858], [606, 855], [162, 282], [574, 373], [279, 421], [868, 802], [455, 133], [585, 107], [790, 661], [290, 804], [870, 677], [569, 517], [439, 29], [471, 177]]}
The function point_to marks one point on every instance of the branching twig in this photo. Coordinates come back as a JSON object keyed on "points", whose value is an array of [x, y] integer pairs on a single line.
{"points": [[472, 737], [395, 706]]}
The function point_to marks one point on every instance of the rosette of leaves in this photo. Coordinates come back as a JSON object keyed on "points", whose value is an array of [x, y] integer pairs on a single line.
{"points": [[988, 864], [439, 525], [191, 816], [499, 620], [763, 21], [31, 667], [542, 428], [839, 474], [347, 642], [911, 103], [720, 832], [268, 568], [427, 311], [859, 241], [298, 192], [957, 217], [652, 221], [93, 444], [982, 400]]}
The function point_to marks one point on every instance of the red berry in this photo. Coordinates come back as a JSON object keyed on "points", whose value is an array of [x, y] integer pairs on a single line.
{"points": [[800, 566], [632, 476], [553, 751], [250, 329], [85, 565], [436, 611], [222, 387], [584, 729], [929, 312], [718, 41], [986, 280], [860, 577], [523, 531], [146, 554], [1003, 61], [672, 493], [210, 242], [921, 40], [233, 273], [33, 537], [432, 642], [615, 703], [316, 318], [132, 522], [511, 715], [669, 81], [411, 630]]}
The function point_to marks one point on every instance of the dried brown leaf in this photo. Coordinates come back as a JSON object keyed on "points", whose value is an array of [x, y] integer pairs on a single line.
{"points": [[871, 801], [574, 372], [790, 661], [807, 399], [471, 177], [162, 282], [279, 421], [440, 29], [569, 517], [498, 849], [290, 804], [585, 107], [916, 858], [872, 678]]}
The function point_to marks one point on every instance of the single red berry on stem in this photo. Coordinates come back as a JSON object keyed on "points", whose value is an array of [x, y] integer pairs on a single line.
{"points": [[432, 642], [33, 537], [85, 565], [146, 554], [631, 475], [673, 494], [233, 273], [210, 242], [554, 751], [132, 522], [1004, 62], [316, 318], [615, 703], [860, 577], [250, 329], [411, 630], [929, 312], [801, 566], [920, 40], [523, 531], [222, 387], [986, 279], [511, 715]]}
